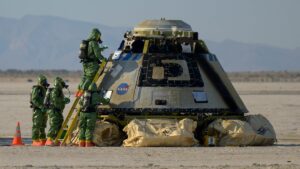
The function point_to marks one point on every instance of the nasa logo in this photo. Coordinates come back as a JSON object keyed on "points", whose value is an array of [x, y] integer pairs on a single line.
{"points": [[122, 89]]}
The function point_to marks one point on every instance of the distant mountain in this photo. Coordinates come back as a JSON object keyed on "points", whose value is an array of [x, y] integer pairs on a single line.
{"points": [[45, 42], [237, 56]]}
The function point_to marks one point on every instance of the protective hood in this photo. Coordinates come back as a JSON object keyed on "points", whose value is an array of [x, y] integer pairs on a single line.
{"points": [[42, 81], [58, 82], [95, 35]]}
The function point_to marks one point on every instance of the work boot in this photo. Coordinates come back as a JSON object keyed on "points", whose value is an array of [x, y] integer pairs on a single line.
{"points": [[36, 143], [89, 144], [82, 143], [43, 142], [50, 142]]}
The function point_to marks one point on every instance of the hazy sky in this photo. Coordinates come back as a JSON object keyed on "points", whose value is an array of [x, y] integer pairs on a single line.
{"points": [[270, 22]]}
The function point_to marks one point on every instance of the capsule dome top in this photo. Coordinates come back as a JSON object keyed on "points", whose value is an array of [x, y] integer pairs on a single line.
{"points": [[163, 28]]}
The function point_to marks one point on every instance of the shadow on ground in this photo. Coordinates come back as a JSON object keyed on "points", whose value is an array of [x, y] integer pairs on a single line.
{"points": [[8, 141]]}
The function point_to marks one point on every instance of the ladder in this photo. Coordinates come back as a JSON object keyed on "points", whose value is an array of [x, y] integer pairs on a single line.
{"points": [[70, 127]]}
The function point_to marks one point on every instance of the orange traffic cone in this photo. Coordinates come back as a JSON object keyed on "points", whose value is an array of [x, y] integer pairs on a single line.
{"points": [[17, 141]]}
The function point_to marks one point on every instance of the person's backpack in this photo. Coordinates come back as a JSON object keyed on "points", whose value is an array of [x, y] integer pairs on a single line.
{"points": [[83, 53], [36, 87]]}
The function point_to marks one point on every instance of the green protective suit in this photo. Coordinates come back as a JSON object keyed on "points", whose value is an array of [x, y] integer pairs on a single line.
{"points": [[57, 104], [91, 66], [87, 120], [39, 117]]}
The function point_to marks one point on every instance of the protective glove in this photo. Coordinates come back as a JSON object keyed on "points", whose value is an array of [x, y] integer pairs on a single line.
{"points": [[104, 60], [102, 48], [105, 100], [67, 100]]}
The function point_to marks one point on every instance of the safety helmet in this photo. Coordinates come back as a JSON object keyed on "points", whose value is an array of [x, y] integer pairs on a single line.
{"points": [[92, 87], [42, 80]]}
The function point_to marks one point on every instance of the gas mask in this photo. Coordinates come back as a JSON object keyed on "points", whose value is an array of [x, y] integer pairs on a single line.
{"points": [[45, 84], [99, 39], [64, 85]]}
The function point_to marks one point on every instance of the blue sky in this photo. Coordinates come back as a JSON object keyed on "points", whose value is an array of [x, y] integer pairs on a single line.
{"points": [[270, 22]]}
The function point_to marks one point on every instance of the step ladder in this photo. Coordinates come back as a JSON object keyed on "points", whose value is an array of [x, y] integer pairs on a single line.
{"points": [[73, 114]]}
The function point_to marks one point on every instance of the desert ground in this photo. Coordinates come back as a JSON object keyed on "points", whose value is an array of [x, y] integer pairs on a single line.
{"points": [[278, 101]]}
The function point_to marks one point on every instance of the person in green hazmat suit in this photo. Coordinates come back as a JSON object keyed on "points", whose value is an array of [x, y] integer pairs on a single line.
{"points": [[91, 59], [55, 101], [39, 117], [87, 118]]}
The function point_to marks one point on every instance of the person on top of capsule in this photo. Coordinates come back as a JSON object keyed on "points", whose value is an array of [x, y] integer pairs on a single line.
{"points": [[91, 60]]}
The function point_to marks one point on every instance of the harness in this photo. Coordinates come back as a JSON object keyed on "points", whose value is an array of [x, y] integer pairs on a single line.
{"points": [[87, 106]]}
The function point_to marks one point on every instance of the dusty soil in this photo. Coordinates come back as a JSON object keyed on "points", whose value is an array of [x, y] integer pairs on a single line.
{"points": [[119, 157], [279, 102]]}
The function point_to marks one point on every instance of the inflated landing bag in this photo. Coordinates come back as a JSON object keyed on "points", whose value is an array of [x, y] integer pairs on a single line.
{"points": [[107, 134], [255, 131], [160, 133]]}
